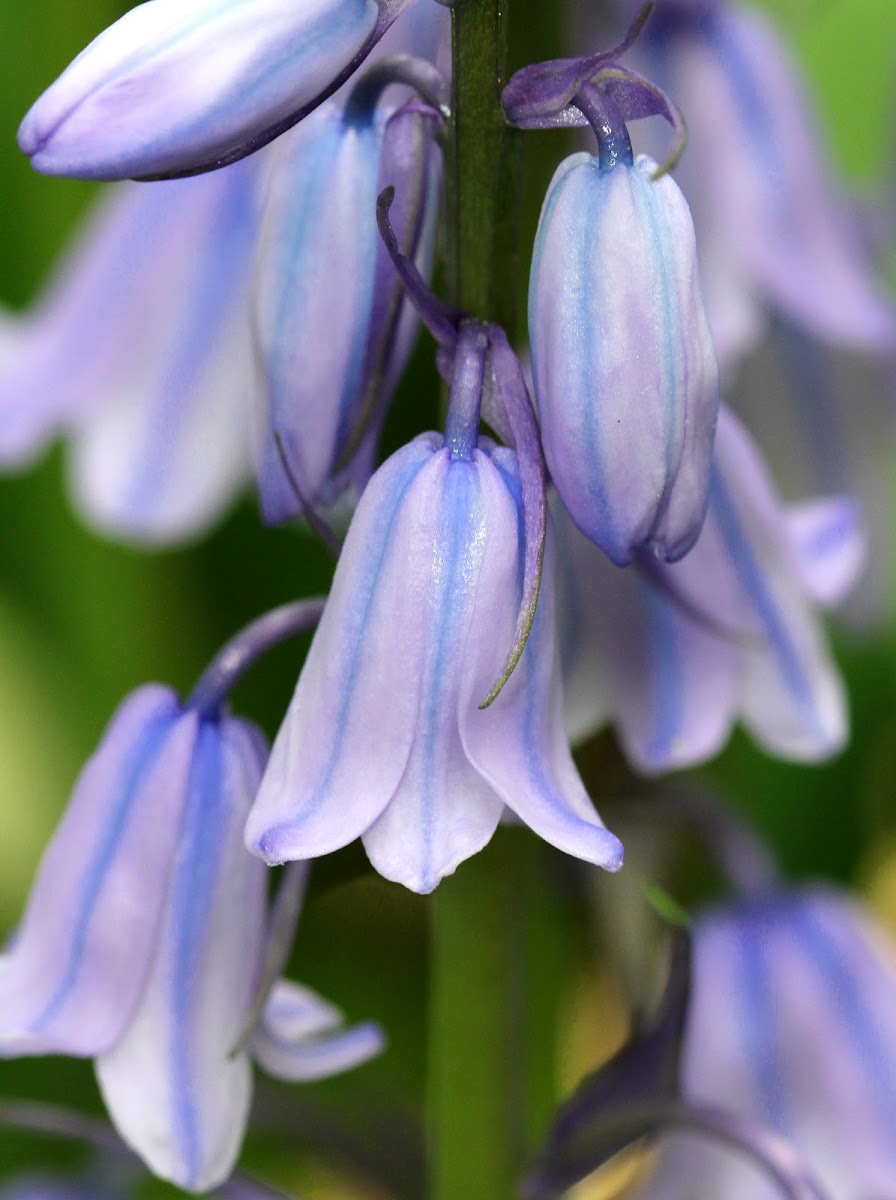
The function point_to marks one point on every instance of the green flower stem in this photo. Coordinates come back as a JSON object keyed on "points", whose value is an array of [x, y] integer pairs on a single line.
{"points": [[483, 168], [498, 974]]}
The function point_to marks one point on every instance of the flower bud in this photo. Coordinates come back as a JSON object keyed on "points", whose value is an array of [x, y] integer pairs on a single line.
{"points": [[177, 86], [624, 369], [333, 329]]}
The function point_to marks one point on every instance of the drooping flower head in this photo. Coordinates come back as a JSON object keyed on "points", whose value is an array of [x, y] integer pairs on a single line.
{"points": [[144, 939], [623, 364], [396, 732], [674, 654], [791, 1024]]}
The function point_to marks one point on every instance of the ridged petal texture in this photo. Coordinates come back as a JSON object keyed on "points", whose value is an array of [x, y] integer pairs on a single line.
{"points": [[623, 364], [793, 1023], [175, 84], [173, 1087], [139, 349], [676, 656], [384, 738]]}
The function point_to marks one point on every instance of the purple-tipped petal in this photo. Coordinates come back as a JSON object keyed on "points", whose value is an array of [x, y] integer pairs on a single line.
{"points": [[176, 1093], [519, 743], [830, 544], [301, 1037], [178, 86], [341, 750], [625, 375], [74, 974]]}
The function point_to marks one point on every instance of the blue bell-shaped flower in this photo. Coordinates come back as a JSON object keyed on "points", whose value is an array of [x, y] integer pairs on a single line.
{"points": [[623, 363]]}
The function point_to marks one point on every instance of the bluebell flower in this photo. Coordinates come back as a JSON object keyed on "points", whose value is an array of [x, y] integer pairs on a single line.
{"points": [[385, 737], [772, 228], [143, 939], [332, 327], [623, 364], [675, 654], [792, 1024], [177, 86], [139, 350]]}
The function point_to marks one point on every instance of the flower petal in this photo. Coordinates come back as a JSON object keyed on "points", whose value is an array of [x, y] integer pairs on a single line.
{"points": [[443, 811], [519, 744], [300, 1038], [791, 695], [345, 741], [77, 965], [176, 1093], [830, 544]]}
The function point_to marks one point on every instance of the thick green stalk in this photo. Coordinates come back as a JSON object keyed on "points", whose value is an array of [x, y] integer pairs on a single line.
{"points": [[496, 951], [482, 167], [498, 973]]}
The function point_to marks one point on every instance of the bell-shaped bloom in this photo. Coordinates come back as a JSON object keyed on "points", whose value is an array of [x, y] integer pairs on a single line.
{"points": [[177, 86], [623, 364], [675, 654], [792, 1024], [384, 738], [332, 326], [143, 939], [140, 350], [772, 228]]}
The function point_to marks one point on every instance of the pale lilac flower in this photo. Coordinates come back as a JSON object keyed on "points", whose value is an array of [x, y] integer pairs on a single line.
{"points": [[675, 654], [177, 86], [772, 229], [139, 350], [143, 939], [623, 365], [385, 737], [792, 1024], [332, 326]]}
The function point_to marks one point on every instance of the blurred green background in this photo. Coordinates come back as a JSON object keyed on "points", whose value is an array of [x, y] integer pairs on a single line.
{"points": [[83, 621]]}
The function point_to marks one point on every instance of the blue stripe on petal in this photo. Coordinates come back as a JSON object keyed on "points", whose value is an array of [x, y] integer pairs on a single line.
{"points": [[860, 1031], [750, 930], [192, 899], [773, 622], [132, 776], [355, 628]]}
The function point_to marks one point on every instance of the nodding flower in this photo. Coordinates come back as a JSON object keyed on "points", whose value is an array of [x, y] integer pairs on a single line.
{"points": [[675, 654], [386, 737], [143, 941]]}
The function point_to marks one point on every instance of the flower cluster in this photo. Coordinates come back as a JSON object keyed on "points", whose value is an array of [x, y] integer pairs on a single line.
{"points": [[612, 551]]}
